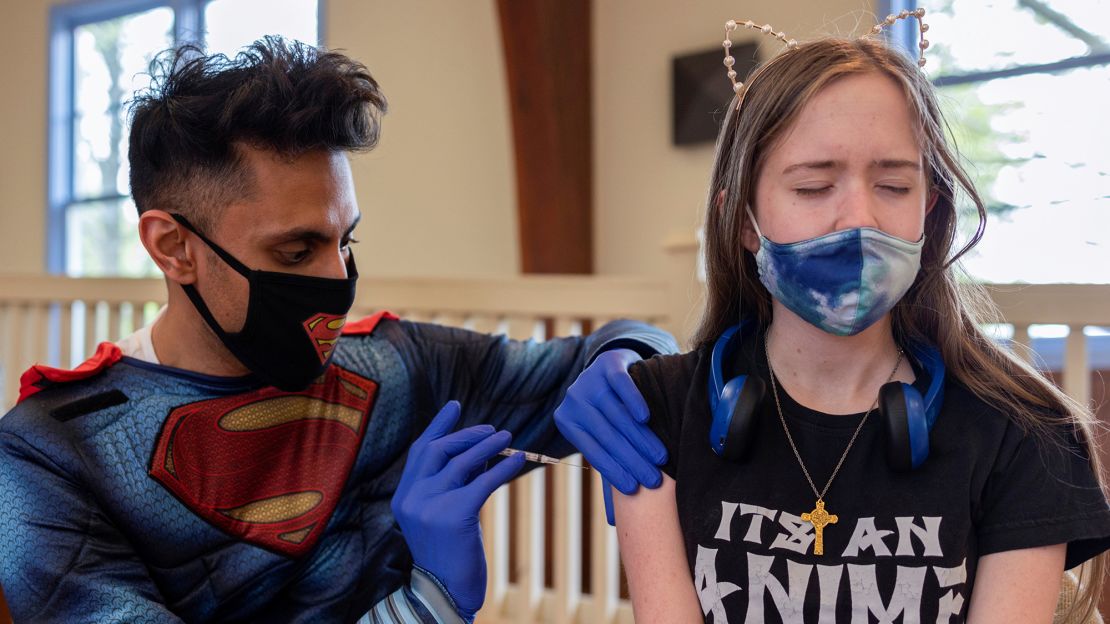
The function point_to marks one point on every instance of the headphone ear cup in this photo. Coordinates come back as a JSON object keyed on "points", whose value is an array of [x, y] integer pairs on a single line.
{"points": [[907, 432], [742, 397]]}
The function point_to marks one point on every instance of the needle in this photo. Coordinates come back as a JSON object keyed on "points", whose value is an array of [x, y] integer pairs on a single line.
{"points": [[539, 459]]}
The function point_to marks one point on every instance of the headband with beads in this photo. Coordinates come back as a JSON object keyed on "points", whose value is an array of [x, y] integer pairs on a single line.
{"points": [[791, 44]]}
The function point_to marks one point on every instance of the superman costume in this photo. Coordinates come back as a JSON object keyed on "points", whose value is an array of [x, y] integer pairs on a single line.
{"points": [[142, 493]]}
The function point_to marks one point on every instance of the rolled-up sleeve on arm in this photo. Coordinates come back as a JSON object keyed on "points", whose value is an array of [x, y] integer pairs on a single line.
{"points": [[511, 384]]}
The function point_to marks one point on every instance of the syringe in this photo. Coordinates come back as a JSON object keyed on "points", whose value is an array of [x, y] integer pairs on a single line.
{"points": [[538, 458]]}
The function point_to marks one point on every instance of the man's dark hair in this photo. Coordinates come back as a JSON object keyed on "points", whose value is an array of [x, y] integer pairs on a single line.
{"points": [[282, 96]]}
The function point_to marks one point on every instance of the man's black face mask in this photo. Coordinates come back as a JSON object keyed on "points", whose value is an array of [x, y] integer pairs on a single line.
{"points": [[293, 321]]}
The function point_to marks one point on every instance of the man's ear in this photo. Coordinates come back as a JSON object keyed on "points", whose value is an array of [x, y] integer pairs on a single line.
{"points": [[165, 241]]}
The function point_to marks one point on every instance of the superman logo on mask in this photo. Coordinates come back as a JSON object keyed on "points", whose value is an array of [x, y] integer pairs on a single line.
{"points": [[324, 330]]}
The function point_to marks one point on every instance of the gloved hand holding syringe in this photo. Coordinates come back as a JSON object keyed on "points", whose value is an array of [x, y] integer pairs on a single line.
{"points": [[538, 458]]}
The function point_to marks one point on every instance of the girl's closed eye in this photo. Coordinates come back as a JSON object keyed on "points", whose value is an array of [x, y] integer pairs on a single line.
{"points": [[896, 189], [812, 191]]}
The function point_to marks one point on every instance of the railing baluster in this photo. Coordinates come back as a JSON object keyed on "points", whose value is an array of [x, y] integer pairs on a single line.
{"points": [[539, 330], [1023, 346], [604, 580], [520, 328], [567, 326], [89, 333], [528, 512], [115, 332], [38, 327], [137, 316], [495, 540], [103, 322], [1077, 374], [483, 323], [567, 515], [65, 335]]}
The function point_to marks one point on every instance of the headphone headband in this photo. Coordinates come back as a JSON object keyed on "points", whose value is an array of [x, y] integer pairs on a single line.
{"points": [[722, 353]]}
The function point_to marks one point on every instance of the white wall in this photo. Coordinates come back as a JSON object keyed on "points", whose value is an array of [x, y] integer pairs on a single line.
{"points": [[644, 187], [438, 195], [23, 136]]}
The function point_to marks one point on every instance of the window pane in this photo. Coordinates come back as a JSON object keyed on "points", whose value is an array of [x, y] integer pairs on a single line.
{"points": [[1036, 146], [111, 59], [232, 24], [102, 241], [1019, 32]]}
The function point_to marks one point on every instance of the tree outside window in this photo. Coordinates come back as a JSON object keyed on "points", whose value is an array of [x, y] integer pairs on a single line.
{"points": [[1023, 84]]}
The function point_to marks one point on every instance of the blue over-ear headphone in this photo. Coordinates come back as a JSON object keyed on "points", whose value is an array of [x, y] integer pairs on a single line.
{"points": [[907, 416]]}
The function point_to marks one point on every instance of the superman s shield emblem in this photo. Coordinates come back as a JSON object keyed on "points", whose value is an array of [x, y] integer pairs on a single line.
{"points": [[324, 330], [267, 466]]}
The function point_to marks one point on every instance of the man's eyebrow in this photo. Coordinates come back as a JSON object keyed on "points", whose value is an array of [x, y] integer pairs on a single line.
{"points": [[354, 224], [308, 234]]}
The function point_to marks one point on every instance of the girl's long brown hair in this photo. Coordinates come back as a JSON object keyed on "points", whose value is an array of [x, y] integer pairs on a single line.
{"points": [[939, 308]]}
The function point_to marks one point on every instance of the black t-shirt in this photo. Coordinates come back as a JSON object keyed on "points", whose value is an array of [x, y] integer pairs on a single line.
{"points": [[905, 544]]}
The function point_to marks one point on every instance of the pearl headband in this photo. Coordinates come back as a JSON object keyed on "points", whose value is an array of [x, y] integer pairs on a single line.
{"points": [[791, 44]]}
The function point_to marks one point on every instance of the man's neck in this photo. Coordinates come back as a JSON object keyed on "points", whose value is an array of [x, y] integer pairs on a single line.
{"points": [[829, 373], [183, 340]]}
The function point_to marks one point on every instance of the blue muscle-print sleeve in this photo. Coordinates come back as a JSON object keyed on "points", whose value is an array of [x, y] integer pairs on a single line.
{"points": [[511, 384], [61, 560]]}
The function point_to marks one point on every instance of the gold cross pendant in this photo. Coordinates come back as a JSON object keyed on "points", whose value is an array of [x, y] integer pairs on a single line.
{"points": [[819, 518]]}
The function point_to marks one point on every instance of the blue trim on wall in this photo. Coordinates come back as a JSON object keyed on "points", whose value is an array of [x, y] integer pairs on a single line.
{"points": [[188, 23], [903, 33], [59, 136], [80, 12]]}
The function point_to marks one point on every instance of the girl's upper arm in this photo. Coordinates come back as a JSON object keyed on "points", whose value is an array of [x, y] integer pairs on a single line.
{"points": [[654, 556], [1017, 585]]}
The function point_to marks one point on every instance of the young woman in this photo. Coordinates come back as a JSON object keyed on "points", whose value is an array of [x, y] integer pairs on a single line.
{"points": [[830, 235]]}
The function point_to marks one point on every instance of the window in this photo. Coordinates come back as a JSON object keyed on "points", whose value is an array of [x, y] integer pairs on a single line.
{"points": [[100, 53], [1023, 84]]}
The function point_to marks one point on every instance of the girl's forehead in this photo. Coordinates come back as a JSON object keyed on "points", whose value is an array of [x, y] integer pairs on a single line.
{"points": [[864, 115]]}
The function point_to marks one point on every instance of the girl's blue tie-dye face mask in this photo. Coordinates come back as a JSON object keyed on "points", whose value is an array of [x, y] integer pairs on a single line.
{"points": [[841, 282]]}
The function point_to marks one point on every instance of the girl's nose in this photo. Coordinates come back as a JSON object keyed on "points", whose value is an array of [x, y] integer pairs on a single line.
{"points": [[857, 208]]}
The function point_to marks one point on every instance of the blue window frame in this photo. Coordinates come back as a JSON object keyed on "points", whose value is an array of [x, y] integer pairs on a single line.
{"points": [[99, 51]]}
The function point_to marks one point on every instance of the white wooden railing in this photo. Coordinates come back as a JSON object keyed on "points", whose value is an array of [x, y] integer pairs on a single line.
{"points": [[59, 320], [1078, 306]]}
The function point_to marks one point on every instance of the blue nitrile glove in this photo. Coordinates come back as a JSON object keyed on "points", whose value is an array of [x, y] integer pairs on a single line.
{"points": [[443, 486], [604, 416]]}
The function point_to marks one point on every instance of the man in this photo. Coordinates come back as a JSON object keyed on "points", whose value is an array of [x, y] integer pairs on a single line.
{"points": [[237, 460]]}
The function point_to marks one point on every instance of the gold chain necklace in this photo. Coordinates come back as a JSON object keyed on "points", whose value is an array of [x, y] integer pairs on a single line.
{"points": [[819, 517]]}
